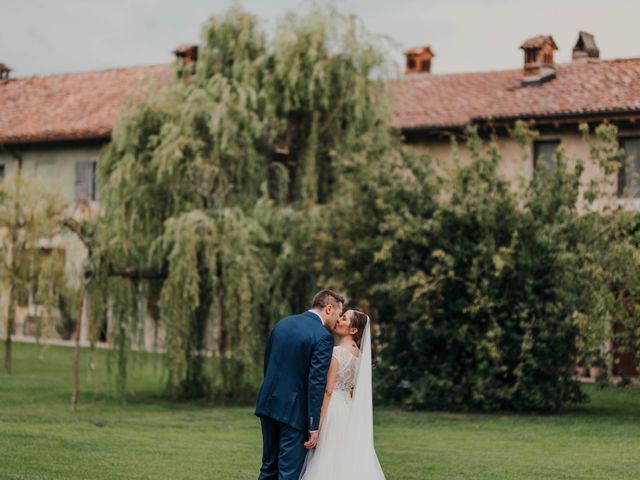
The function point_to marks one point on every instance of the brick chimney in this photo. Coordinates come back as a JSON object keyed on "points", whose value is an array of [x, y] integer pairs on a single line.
{"points": [[419, 60], [585, 47], [188, 53], [4, 72], [538, 60]]}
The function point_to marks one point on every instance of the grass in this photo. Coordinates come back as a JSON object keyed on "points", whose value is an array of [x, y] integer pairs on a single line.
{"points": [[153, 438]]}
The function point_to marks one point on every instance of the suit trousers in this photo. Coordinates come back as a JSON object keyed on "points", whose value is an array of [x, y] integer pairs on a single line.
{"points": [[283, 450]]}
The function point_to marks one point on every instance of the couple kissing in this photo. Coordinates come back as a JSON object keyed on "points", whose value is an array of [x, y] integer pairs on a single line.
{"points": [[316, 403]]}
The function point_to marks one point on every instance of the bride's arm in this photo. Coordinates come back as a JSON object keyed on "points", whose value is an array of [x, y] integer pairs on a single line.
{"points": [[331, 380]]}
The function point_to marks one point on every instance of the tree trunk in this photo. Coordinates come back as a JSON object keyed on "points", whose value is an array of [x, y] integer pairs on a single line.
{"points": [[196, 382], [76, 353], [11, 316], [7, 343]]}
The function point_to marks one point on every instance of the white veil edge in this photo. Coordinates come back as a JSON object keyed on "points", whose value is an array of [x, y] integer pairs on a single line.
{"points": [[364, 464], [359, 461]]}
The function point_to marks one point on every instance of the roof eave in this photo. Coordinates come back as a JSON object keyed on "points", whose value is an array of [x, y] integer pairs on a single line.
{"points": [[28, 140], [576, 117]]}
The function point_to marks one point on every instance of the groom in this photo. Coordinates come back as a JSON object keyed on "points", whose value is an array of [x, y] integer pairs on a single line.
{"points": [[296, 361]]}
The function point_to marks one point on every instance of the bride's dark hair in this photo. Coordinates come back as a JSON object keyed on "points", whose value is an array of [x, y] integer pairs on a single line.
{"points": [[358, 321]]}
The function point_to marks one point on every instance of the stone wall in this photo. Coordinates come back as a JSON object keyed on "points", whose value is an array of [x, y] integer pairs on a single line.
{"points": [[518, 162]]}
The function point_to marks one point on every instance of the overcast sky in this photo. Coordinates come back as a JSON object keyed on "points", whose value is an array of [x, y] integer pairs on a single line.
{"points": [[39, 37]]}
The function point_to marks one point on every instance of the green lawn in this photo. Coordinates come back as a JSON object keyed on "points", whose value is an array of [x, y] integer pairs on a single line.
{"points": [[151, 438]]}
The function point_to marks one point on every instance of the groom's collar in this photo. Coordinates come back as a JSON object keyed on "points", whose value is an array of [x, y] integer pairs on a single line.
{"points": [[317, 315]]}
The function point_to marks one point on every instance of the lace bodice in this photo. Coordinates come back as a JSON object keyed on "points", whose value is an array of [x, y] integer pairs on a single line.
{"points": [[347, 369]]}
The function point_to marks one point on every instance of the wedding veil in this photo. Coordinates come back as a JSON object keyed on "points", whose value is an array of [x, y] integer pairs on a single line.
{"points": [[363, 462], [354, 456]]}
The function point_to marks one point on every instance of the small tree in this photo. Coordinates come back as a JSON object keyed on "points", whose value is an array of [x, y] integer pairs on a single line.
{"points": [[74, 304], [606, 241], [610, 289], [29, 221]]}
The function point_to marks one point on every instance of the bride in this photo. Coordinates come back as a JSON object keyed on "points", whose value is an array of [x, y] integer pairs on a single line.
{"points": [[345, 448]]}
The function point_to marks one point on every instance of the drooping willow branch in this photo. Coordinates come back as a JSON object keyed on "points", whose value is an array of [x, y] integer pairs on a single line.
{"points": [[126, 272], [86, 280], [212, 183], [134, 273]]}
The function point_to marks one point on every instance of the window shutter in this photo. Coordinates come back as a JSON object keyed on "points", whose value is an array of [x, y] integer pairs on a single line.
{"points": [[85, 180], [631, 169]]}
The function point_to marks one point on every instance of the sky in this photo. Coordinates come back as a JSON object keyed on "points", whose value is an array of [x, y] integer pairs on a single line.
{"points": [[40, 37]]}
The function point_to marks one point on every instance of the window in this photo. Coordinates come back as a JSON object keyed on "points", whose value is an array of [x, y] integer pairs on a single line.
{"points": [[425, 65], [629, 173], [543, 151], [85, 182]]}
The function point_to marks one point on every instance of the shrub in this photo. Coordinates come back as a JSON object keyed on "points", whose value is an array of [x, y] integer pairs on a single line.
{"points": [[470, 287]]}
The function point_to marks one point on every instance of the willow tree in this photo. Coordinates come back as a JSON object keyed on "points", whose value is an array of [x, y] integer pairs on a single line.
{"points": [[215, 182]]}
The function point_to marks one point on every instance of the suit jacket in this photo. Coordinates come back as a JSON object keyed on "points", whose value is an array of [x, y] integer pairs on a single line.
{"points": [[296, 362]]}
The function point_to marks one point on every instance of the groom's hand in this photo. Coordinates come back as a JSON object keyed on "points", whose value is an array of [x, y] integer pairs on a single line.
{"points": [[313, 440]]}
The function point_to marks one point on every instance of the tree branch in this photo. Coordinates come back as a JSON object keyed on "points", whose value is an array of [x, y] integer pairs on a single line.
{"points": [[74, 226], [135, 273]]}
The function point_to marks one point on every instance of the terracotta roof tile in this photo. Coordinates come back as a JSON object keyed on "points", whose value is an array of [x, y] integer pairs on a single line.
{"points": [[427, 101], [67, 107], [87, 105]]}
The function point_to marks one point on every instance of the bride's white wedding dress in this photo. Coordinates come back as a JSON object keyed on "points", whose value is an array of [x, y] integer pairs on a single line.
{"points": [[345, 448]]}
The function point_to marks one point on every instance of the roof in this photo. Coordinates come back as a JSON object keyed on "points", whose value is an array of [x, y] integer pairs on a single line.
{"points": [[67, 107], [598, 87], [420, 50], [87, 105], [539, 42]]}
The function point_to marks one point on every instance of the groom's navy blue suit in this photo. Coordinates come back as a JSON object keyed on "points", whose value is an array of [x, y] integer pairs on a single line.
{"points": [[296, 362]]}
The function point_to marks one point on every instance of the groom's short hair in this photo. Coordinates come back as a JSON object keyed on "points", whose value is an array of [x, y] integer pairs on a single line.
{"points": [[324, 297]]}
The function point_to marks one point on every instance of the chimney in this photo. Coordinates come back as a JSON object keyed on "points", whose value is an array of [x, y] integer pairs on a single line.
{"points": [[538, 60], [186, 58], [419, 60], [585, 48], [4, 72], [187, 53]]}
